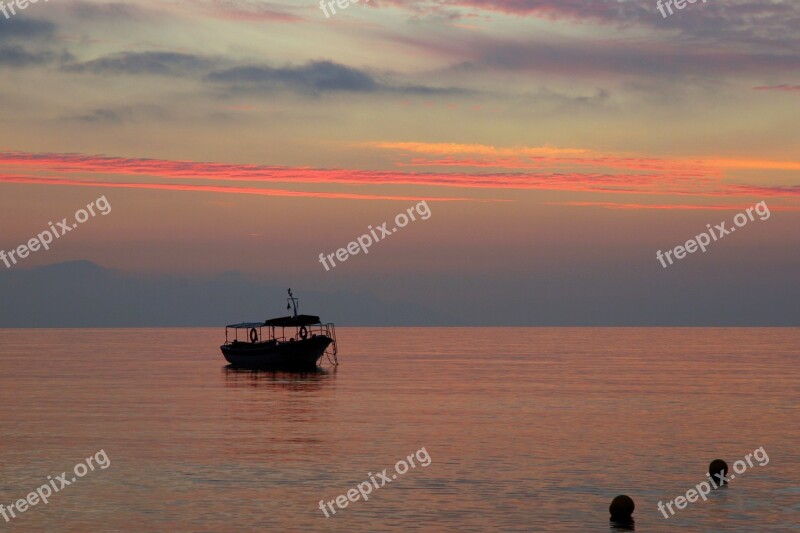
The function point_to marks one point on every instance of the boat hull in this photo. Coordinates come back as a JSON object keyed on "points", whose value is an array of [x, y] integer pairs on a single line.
{"points": [[298, 354]]}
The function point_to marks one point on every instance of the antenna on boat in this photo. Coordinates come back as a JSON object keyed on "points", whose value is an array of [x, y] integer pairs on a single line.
{"points": [[292, 303]]}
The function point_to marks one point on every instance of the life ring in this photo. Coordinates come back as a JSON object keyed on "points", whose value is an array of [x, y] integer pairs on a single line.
{"points": [[303, 332], [253, 335]]}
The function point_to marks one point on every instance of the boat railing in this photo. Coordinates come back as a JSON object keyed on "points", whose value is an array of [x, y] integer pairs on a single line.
{"points": [[270, 335], [328, 330]]}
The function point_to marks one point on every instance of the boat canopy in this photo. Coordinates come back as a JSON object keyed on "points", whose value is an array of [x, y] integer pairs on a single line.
{"points": [[283, 322], [293, 321], [246, 325]]}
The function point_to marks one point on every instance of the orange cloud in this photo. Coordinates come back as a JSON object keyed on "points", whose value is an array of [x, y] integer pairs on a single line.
{"points": [[650, 176], [161, 169], [778, 88], [544, 156], [217, 189], [474, 149], [612, 205], [694, 169], [753, 164]]}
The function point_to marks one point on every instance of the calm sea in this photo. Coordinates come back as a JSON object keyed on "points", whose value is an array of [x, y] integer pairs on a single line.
{"points": [[527, 429]]}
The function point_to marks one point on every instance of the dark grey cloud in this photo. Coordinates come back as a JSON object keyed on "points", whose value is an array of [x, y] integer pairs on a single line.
{"points": [[100, 115], [587, 59], [17, 56], [152, 63], [771, 23], [119, 115], [718, 38], [308, 79], [22, 29], [315, 78], [546, 101], [27, 42], [111, 11], [423, 90]]}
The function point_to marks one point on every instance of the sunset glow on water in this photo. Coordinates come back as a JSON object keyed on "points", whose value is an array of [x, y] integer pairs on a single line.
{"points": [[526, 429]]}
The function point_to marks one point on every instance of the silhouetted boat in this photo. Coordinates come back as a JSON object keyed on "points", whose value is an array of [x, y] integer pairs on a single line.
{"points": [[308, 340]]}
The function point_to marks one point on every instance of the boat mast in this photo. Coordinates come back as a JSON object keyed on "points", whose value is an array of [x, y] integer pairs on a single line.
{"points": [[292, 303]]}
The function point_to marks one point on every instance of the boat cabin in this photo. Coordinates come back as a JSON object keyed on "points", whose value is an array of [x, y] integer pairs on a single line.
{"points": [[274, 331]]}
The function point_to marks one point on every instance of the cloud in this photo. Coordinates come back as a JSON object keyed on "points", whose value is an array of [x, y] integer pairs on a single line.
{"points": [[18, 28], [17, 56], [109, 11], [119, 115], [150, 63], [670, 207], [311, 78], [789, 88], [756, 164], [597, 57], [314, 77], [25, 43], [40, 180], [247, 11], [516, 157], [100, 115], [573, 10], [769, 24], [602, 38], [474, 149], [774, 190], [563, 102], [625, 175]]}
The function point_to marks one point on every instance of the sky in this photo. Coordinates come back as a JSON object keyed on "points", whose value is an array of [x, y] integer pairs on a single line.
{"points": [[558, 145]]}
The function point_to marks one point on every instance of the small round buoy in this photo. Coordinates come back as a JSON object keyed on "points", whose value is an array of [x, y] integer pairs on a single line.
{"points": [[621, 507], [717, 467]]}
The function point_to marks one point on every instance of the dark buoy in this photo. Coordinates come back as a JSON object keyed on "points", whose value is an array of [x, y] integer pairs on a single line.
{"points": [[718, 468], [621, 508]]}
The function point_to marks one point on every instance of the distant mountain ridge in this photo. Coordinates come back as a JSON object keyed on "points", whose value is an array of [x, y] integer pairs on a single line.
{"points": [[84, 294]]}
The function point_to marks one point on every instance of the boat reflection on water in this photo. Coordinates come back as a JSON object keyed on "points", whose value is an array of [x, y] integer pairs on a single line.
{"points": [[309, 380]]}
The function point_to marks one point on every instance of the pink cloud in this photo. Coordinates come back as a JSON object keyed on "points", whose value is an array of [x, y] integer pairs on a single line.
{"points": [[695, 207], [163, 169], [247, 11], [778, 88], [5, 178], [626, 175]]}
